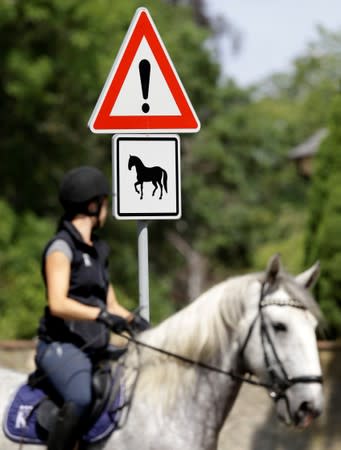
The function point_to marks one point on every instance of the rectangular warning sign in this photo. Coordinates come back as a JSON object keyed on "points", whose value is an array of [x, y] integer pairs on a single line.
{"points": [[146, 177]]}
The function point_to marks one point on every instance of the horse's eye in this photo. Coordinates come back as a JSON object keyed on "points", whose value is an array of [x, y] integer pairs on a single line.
{"points": [[279, 327]]}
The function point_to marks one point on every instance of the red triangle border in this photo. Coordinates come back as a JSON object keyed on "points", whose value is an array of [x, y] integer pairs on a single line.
{"points": [[102, 122]]}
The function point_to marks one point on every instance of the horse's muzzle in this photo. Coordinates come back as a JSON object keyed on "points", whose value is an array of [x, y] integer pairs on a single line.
{"points": [[306, 413]]}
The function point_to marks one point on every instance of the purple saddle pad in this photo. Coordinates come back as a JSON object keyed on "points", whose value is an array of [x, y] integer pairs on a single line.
{"points": [[20, 421]]}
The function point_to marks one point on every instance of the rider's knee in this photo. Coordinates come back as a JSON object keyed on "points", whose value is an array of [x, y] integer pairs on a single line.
{"points": [[81, 401]]}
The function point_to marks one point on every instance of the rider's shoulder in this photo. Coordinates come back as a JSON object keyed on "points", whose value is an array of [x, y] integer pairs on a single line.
{"points": [[60, 245], [61, 242]]}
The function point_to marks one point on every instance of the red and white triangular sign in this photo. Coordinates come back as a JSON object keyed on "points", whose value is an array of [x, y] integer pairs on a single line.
{"points": [[143, 92]]}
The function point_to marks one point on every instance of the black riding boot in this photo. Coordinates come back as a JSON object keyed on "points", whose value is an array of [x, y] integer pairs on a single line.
{"points": [[65, 433]]}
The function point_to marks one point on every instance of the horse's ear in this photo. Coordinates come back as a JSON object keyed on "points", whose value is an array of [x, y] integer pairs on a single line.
{"points": [[273, 268], [308, 278]]}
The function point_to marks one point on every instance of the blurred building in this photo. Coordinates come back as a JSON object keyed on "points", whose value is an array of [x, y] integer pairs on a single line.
{"points": [[304, 153]]}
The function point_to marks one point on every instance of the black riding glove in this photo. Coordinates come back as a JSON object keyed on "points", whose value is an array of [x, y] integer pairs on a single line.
{"points": [[139, 324], [115, 323]]}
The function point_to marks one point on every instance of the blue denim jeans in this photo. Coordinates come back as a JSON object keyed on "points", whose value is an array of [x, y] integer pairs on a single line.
{"points": [[69, 370]]}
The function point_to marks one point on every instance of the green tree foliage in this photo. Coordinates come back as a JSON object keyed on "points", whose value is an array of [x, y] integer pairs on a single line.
{"points": [[323, 239], [311, 85], [242, 200], [302, 97], [22, 238]]}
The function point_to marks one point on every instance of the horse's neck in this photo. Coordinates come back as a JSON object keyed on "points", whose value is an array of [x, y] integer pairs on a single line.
{"points": [[193, 401], [206, 330], [138, 163], [199, 333]]}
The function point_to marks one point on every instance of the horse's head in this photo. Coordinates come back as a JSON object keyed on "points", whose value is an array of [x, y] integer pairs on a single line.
{"points": [[133, 161], [279, 345]]}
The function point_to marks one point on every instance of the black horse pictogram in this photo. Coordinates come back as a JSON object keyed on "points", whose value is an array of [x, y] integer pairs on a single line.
{"points": [[156, 175]]}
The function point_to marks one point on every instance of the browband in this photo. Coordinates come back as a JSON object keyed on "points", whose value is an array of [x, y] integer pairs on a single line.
{"points": [[282, 302]]}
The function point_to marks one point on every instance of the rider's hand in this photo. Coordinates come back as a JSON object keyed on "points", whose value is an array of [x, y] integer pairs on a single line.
{"points": [[139, 324], [115, 323]]}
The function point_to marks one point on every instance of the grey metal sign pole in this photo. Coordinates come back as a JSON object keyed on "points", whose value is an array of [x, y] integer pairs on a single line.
{"points": [[143, 268]]}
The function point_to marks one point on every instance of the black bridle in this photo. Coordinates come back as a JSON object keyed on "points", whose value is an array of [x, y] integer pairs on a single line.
{"points": [[280, 381]]}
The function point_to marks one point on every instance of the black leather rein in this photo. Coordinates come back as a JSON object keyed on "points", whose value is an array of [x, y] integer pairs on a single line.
{"points": [[278, 384]]}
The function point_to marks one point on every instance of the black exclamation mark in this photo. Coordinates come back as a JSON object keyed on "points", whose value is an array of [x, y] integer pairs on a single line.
{"points": [[144, 68]]}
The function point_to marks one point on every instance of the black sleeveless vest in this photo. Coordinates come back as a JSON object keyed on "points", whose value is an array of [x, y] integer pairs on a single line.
{"points": [[89, 283]]}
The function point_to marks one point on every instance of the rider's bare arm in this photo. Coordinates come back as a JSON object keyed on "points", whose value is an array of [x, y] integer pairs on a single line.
{"points": [[58, 269]]}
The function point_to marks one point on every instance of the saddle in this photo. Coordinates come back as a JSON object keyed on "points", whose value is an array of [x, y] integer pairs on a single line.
{"points": [[35, 406]]}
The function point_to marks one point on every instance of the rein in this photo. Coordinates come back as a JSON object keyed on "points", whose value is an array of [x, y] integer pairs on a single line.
{"points": [[198, 363], [279, 384]]}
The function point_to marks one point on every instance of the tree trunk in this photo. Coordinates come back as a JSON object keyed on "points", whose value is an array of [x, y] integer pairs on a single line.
{"points": [[196, 266]]}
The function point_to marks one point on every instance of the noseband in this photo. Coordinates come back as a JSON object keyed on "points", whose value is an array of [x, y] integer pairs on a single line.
{"points": [[280, 380]]}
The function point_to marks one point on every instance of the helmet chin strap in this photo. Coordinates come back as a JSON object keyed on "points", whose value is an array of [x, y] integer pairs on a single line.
{"points": [[97, 224], [94, 210], [91, 209]]}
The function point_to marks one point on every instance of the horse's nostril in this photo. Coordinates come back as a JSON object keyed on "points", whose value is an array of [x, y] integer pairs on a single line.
{"points": [[306, 407], [306, 412]]}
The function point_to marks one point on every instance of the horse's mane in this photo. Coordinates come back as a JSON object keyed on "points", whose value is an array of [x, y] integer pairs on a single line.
{"points": [[195, 332]]}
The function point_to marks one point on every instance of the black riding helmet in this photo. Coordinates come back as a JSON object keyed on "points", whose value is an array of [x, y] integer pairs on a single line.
{"points": [[79, 187]]}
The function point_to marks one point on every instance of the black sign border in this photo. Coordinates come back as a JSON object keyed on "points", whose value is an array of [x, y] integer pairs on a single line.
{"points": [[150, 216]]}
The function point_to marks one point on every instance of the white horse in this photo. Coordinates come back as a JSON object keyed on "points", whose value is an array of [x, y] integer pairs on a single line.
{"points": [[261, 324]]}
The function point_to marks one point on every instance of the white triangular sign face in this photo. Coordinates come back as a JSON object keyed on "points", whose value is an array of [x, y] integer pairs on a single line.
{"points": [[143, 91], [130, 99]]}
